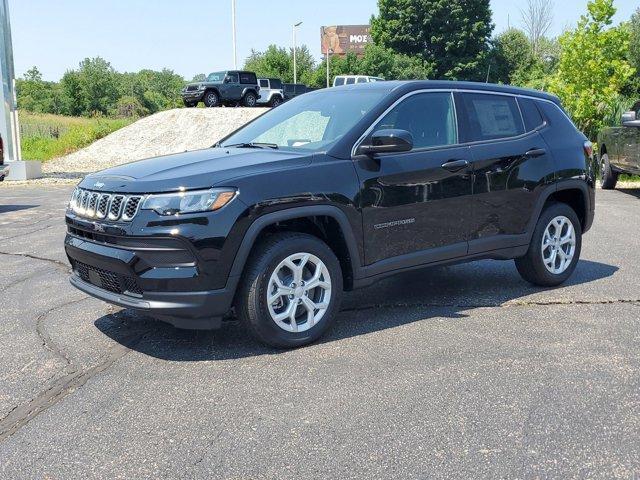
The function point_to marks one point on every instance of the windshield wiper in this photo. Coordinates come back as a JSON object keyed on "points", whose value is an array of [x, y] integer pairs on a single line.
{"points": [[274, 146]]}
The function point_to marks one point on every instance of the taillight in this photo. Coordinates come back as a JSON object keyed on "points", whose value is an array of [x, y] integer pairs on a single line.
{"points": [[588, 149]]}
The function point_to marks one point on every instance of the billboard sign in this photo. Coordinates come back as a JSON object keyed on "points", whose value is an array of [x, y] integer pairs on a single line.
{"points": [[341, 39]]}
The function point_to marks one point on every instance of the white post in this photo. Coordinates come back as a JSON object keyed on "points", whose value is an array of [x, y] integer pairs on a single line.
{"points": [[295, 67], [233, 33]]}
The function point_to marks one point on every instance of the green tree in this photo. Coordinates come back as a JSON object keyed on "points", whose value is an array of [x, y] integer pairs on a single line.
{"points": [[450, 36], [593, 66], [634, 46], [98, 85], [273, 62], [511, 55]]}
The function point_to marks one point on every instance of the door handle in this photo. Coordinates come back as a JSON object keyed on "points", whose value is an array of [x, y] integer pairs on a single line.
{"points": [[455, 165], [535, 152]]}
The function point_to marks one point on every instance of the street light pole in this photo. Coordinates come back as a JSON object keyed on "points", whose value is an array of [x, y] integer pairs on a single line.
{"points": [[295, 67], [327, 60], [233, 33]]}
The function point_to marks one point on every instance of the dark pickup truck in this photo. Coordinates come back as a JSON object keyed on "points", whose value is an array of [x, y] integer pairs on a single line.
{"points": [[230, 87], [620, 148]]}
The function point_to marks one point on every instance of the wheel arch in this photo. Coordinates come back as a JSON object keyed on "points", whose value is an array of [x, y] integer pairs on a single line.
{"points": [[326, 222], [574, 193]]}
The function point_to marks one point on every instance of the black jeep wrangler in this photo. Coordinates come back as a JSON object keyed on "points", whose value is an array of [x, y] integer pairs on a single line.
{"points": [[332, 191], [230, 87]]}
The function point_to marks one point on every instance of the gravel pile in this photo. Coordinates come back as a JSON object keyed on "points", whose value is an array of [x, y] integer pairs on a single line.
{"points": [[171, 131]]}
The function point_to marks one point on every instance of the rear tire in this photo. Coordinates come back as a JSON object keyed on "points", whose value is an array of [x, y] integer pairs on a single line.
{"points": [[211, 99], [608, 177], [558, 230], [190, 104], [249, 99], [274, 308], [275, 101]]}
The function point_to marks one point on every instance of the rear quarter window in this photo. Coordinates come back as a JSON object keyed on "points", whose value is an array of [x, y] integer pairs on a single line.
{"points": [[491, 117], [277, 84], [530, 114], [248, 78], [339, 81]]}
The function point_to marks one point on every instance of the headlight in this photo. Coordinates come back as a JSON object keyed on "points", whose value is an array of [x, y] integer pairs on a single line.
{"points": [[189, 202], [201, 87]]}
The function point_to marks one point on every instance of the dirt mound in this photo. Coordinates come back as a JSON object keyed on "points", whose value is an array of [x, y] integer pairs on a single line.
{"points": [[171, 131]]}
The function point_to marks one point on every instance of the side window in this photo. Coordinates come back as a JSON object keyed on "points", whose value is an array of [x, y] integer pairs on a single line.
{"points": [[491, 117], [277, 84], [530, 113], [264, 83], [361, 80], [249, 78], [339, 81], [350, 80], [232, 77], [429, 117]]}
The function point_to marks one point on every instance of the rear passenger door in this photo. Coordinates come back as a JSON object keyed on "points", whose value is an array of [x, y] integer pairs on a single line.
{"points": [[511, 166]]}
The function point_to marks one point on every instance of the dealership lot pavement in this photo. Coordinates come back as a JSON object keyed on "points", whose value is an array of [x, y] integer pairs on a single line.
{"points": [[463, 371]]}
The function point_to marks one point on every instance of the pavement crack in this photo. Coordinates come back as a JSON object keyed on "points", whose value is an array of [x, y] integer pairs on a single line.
{"points": [[67, 384], [46, 339], [60, 265], [510, 303], [3, 239]]}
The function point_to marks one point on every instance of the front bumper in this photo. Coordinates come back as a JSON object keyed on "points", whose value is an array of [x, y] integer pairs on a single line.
{"points": [[4, 172], [160, 280], [192, 95]]}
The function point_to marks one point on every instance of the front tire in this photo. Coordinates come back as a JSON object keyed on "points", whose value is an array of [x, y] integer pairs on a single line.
{"points": [[211, 99], [291, 290], [249, 99], [190, 104], [555, 247], [608, 177]]}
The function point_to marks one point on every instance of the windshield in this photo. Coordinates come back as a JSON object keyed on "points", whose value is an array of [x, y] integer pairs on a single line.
{"points": [[310, 122], [216, 76]]}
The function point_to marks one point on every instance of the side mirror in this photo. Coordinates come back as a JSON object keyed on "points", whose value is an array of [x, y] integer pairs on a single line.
{"points": [[629, 119], [389, 140]]}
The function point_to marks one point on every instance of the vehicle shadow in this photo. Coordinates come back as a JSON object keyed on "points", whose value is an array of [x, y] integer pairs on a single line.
{"points": [[630, 191], [15, 208], [424, 295]]}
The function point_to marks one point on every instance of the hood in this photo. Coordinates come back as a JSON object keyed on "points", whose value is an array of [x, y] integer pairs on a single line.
{"points": [[191, 170]]}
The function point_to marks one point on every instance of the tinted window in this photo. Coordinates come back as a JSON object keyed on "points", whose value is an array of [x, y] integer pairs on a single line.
{"points": [[339, 81], [351, 80], [530, 114], [430, 117], [361, 80], [232, 77], [276, 83], [492, 116], [246, 77], [264, 83]]}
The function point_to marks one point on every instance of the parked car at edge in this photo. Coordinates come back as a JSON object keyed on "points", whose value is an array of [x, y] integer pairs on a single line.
{"points": [[340, 80], [271, 92], [4, 169], [230, 87], [620, 148], [332, 191]]}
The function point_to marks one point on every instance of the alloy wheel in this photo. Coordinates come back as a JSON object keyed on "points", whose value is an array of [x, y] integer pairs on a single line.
{"points": [[299, 292], [558, 245]]}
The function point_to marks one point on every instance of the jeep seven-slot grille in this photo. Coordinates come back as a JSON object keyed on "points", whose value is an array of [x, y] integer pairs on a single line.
{"points": [[107, 280], [110, 206]]}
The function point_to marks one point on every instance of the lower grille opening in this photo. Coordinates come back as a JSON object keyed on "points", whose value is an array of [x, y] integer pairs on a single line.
{"points": [[107, 280]]}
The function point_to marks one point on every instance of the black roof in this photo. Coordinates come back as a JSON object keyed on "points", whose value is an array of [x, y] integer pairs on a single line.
{"points": [[405, 86]]}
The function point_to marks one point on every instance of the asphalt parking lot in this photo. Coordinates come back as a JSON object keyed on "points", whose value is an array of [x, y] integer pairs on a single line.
{"points": [[464, 371]]}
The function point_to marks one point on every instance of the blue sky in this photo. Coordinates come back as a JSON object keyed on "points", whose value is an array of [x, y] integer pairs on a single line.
{"points": [[195, 36]]}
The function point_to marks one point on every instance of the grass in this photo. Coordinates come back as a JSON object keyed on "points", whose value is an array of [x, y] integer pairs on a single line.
{"points": [[46, 136]]}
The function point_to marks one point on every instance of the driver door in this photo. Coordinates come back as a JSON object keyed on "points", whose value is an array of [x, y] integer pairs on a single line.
{"points": [[417, 203]]}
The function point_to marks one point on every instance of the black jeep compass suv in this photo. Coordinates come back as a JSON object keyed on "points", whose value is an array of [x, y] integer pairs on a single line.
{"points": [[332, 191]]}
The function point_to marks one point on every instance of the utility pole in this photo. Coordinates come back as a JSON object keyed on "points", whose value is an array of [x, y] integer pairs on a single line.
{"points": [[233, 33], [295, 68]]}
